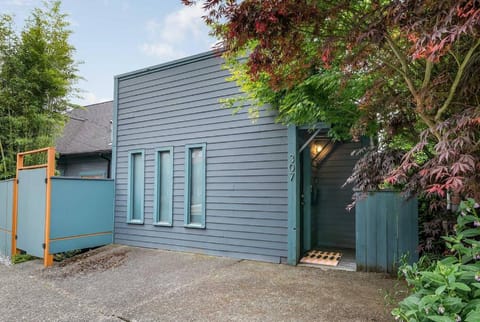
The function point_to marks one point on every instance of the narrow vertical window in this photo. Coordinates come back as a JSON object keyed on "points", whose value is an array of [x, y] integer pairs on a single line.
{"points": [[135, 187], [163, 187], [195, 185]]}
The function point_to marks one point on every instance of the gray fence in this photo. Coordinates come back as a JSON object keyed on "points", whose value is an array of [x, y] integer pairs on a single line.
{"points": [[387, 228]]}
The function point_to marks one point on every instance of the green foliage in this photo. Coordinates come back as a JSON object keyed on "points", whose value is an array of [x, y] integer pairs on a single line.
{"points": [[69, 254], [408, 66], [447, 289], [37, 77], [324, 96], [21, 258]]}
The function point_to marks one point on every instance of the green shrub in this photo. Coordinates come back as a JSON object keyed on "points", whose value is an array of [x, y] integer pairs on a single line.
{"points": [[21, 258], [448, 289]]}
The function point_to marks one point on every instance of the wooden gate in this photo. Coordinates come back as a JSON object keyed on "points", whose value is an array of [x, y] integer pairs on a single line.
{"points": [[31, 217], [58, 214]]}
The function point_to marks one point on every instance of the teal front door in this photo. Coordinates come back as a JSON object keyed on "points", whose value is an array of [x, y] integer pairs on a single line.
{"points": [[306, 200]]}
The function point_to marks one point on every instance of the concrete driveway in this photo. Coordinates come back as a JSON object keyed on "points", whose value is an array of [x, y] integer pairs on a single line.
{"points": [[119, 283]]}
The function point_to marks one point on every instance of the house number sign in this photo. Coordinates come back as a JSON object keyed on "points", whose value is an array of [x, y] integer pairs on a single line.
{"points": [[291, 166]]}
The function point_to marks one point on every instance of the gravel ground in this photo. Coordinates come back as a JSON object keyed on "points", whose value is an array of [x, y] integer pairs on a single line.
{"points": [[120, 283], [5, 261]]}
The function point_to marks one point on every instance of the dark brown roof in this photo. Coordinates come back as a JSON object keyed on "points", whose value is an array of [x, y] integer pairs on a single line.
{"points": [[88, 130]]}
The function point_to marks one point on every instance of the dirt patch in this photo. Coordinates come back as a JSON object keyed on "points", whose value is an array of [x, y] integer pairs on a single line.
{"points": [[97, 260]]}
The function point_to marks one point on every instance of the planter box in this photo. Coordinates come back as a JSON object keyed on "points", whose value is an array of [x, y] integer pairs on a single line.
{"points": [[386, 229]]}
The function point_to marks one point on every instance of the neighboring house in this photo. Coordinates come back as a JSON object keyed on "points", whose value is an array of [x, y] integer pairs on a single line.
{"points": [[85, 147], [191, 176]]}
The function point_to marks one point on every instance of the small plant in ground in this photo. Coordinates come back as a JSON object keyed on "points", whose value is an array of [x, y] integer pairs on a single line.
{"points": [[434, 221], [392, 296], [69, 254], [448, 289], [21, 258]]}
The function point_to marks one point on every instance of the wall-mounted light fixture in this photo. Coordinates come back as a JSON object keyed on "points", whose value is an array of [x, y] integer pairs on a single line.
{"points": [[315, 149]]}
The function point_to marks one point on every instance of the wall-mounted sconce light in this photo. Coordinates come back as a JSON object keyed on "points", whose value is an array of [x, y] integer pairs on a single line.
{"points": [[318, 148]]}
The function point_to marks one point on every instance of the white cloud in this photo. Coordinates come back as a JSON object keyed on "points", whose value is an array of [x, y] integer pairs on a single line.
{"points": [[90, 98], [153, 26], [171, 37], [163, 50], [186, 22]]}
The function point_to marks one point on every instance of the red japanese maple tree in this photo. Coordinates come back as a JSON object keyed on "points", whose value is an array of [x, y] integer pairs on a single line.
{"points": [[423, 60]]}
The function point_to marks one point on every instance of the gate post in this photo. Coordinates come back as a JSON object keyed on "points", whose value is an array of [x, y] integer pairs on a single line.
{"points": [[47, 257], [15, 205]]}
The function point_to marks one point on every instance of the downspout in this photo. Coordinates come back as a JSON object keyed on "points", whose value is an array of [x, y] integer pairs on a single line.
{"points": [[109, 164]]}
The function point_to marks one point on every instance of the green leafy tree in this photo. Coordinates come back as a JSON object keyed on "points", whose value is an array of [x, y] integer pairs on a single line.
{"points": [[37, 79], [322, 97]]}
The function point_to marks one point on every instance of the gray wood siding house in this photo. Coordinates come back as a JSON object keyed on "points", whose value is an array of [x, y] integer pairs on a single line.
{"points": [[191, 176]]}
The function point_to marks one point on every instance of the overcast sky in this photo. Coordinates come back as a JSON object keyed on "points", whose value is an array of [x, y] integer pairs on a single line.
{"points": [[113, 37]]}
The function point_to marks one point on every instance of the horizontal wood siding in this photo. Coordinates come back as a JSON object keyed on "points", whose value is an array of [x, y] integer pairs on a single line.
{"points": [[78, 166], [246, 165]]}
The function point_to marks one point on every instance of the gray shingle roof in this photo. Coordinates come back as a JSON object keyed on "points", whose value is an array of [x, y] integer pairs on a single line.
{"points": [[88, 130]]}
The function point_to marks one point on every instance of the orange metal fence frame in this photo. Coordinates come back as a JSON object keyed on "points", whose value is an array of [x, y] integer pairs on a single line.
{"points": [[50, 168]]}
